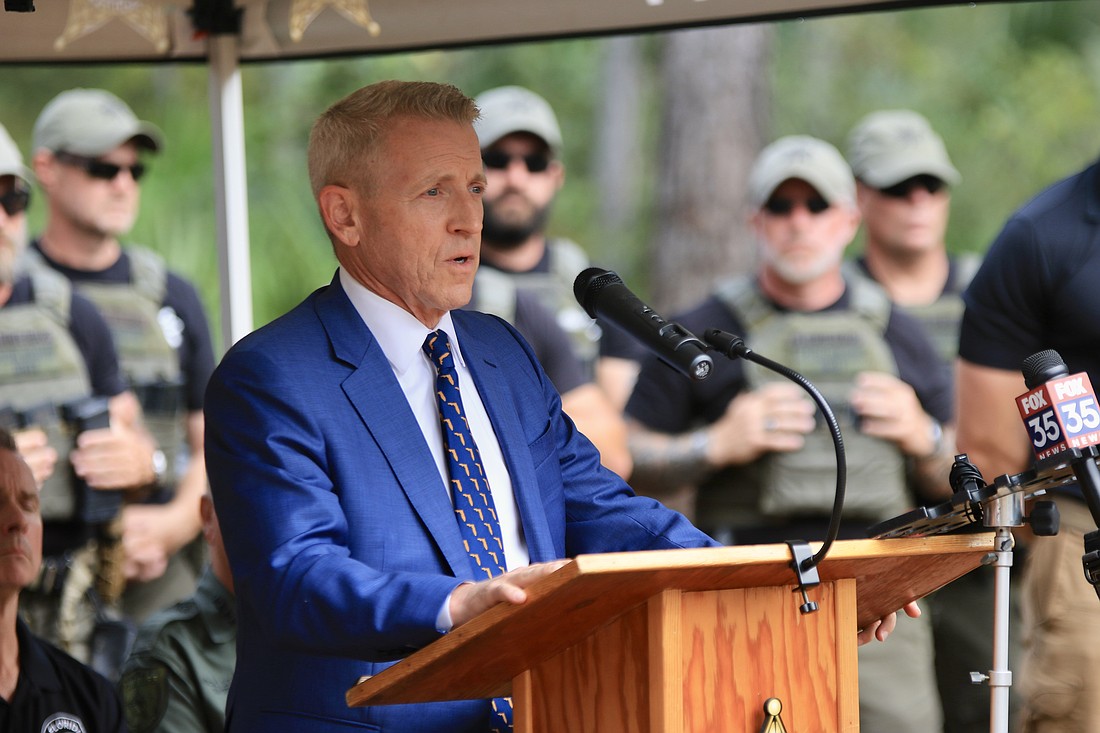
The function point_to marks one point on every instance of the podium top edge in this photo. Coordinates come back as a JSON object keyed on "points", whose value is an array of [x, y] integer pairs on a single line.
{"points": [[778, 553]]}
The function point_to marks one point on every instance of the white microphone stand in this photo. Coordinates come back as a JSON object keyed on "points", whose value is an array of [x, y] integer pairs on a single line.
{"points": [[1002, 513]]}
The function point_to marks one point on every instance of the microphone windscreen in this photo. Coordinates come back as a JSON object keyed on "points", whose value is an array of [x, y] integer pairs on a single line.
{"points": [[1043, 366], [589, 283]]}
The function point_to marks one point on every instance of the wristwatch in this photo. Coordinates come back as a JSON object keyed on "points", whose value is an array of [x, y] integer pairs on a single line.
{"points": [[935, 433], [160, 466]]}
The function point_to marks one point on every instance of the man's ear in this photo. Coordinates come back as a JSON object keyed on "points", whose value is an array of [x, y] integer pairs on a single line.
{"points": [[755, 223], [339, 210], [557, 169], [863, 192], [42, 163]]}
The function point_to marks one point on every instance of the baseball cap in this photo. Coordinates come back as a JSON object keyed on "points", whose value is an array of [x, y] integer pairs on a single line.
{"points": [[889, 146], [505, 110], [91, 122], [806, 158], [11, 161]]}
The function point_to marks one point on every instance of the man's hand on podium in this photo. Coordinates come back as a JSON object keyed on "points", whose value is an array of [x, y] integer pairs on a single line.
{"points": [[881, 629], [471, 599]]}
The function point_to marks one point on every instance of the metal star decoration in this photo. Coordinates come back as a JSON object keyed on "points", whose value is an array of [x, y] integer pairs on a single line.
{"points": [[147, 17], [303, 12]]}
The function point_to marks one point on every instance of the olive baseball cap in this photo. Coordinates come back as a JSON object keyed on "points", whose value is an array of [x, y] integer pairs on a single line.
{"points": [[92, 122], [889, 146], [506, 110], [11, 160], [806, 158]]}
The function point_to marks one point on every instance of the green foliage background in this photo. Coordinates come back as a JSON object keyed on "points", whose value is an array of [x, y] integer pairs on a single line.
{"points": [[1014, 89]]}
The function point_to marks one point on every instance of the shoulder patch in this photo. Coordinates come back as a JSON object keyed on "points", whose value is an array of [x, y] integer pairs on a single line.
{"points": [[144, 696]]}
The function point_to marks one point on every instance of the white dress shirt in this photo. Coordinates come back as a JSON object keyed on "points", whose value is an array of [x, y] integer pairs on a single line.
{"points": [[401, 336]]}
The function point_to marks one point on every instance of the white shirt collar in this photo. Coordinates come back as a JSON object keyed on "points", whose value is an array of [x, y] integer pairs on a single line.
{"points": [[397, 331]]}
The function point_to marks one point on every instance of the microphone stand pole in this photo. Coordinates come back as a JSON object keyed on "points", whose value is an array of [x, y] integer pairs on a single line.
{"points": [[1006, 512], [999, 511]]}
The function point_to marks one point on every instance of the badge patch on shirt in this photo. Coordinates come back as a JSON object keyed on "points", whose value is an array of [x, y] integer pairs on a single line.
{"points": [[64, 723], [145, 696]]}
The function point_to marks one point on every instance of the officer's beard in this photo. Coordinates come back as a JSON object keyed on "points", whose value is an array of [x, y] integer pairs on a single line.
{"points": [[801, 271], [508, 233]]}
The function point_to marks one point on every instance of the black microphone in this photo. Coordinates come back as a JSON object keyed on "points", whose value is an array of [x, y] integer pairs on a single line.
{"points": [[603, 295], [1059, 409]]}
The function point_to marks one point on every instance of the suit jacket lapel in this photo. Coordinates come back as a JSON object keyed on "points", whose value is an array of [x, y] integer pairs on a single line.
{"points": [[387, 416], [496, 395]]}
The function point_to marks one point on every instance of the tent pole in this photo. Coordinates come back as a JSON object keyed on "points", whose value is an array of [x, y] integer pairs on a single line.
{"points": [[230, 187]]}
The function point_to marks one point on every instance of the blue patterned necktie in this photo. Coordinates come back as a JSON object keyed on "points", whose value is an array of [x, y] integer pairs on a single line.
{"points": [[473, 501]]}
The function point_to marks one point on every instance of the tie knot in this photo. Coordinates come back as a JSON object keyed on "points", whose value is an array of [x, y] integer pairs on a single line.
{"points": [[438, 348]]}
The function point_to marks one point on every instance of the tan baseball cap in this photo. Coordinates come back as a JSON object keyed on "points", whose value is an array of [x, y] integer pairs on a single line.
{"points": [[806, 158], [889, 146], [92, 122], [11, 160], [506, 110]]}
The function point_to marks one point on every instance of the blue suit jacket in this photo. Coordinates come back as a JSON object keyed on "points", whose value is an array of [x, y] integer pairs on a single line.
{"points": [[340, 532]]}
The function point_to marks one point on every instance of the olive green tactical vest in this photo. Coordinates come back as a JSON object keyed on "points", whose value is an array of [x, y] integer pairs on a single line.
{"points": [[942, 317], [554, 289], [139, 325], [41, 368], [829, 348], [495, 293]]}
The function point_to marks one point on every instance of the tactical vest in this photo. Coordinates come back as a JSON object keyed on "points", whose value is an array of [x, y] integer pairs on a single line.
{"points": [[942, 317], [554, 289], [41, 368], [140, 325], [495, 293], [829, 348]]}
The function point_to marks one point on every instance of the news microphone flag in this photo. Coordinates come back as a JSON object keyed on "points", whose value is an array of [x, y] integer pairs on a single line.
{"points": [[1061, 412]]}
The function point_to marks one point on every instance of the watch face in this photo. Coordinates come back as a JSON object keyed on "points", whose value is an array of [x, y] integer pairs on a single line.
{"points": [[160, 464]]}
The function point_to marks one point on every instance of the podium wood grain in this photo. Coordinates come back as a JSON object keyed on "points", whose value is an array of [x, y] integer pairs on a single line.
{"points": [[680, 640]]}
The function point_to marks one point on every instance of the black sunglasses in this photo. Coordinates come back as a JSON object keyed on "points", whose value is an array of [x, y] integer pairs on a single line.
{"points": [[931, 184], [498, 159], [15, 201], [780, 206], [100, 169]]}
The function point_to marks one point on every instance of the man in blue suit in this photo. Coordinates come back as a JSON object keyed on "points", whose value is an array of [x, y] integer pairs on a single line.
{"points": [[325, 451]]}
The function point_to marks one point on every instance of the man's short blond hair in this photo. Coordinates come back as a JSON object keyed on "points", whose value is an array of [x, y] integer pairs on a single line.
{"points": [[346, 133]]}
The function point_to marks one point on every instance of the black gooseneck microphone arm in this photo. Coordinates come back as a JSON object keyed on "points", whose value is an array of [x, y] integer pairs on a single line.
{"points": [[734, 347], [603, 294]]}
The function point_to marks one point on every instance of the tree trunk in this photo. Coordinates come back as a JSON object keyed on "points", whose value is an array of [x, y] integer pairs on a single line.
{"points": [[714, 123], [616, 163]]}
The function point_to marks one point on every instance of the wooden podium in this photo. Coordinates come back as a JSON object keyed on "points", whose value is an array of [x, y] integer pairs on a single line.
{"points": [[681, 641]]}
